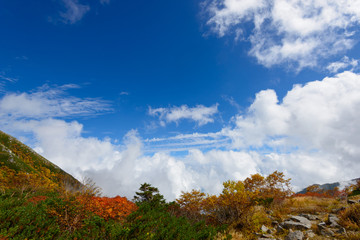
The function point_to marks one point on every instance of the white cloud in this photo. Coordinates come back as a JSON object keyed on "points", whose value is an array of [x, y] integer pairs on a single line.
{"points": [[7, 78], [344, 63], [297, 32], [312, 135], [48, 102], [74, 11], [200, 114]]}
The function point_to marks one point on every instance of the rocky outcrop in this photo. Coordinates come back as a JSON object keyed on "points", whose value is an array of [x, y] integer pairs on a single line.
{"points": [[297, 235], [296, 223]]}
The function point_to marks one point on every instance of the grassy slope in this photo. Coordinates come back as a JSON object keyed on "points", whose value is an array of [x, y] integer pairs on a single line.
{"points": [[19, 157]]}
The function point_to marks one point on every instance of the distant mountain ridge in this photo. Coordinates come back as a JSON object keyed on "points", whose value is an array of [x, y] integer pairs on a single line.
{"points": [[17, 158], [331, 186]]}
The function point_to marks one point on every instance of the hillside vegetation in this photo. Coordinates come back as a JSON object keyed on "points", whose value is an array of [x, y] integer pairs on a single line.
{"points": [[38, 200]]}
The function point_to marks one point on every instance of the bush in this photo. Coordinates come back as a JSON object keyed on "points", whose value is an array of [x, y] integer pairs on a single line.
{"points": [[350, 217]]}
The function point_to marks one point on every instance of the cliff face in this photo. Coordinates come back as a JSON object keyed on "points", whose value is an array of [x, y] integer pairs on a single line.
{"points": [[19, 160]]}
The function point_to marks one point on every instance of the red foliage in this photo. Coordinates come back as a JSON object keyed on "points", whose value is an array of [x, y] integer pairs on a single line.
{"points": [[324, 194], [116, 208], [37, 199]]}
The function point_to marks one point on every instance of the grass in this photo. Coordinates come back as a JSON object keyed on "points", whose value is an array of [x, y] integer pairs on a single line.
{"points": [[311, 205]]}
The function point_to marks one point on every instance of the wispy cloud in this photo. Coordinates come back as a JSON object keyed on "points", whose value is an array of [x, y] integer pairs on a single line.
{"points": [[296, 32], [22, 58], [344, 63], [104, 1], [74, 11], [7, 78], [199, 114], [47, 102]]}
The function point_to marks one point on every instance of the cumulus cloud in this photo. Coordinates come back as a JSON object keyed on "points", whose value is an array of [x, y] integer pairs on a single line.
{"points": [[74, 11], [344, 63], [288, 31], [312, 135], [199, 114]]}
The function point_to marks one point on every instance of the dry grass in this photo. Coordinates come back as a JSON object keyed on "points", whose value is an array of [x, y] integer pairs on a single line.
{"points": [[312, 205], [350, 217], [235, 235]]}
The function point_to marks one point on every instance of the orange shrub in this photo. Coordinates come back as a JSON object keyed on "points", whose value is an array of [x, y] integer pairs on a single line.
{"points": [[116, 208]]}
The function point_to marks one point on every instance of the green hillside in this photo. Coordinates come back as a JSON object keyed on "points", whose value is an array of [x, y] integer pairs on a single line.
{"points": [[19, 163], [38, 200]]}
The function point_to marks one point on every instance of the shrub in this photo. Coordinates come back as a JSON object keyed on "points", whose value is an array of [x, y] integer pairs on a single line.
{"points": [[350, 217]]}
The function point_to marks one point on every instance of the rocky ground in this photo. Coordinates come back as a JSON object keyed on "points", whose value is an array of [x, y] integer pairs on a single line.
{"points": [[320, 225]]}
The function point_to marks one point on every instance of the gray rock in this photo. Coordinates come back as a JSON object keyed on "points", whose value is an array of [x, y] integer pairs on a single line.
{"points": [[297, 235], [274, 223], [265, 229], [279, 229], [341, 231], [321, 225], [300, 219], [265, 236], [296, 225], [333, 220], [310, 234], [309, 216], [326, 232]]}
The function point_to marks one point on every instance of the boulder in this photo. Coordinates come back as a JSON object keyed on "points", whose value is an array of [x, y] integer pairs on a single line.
{"points": [[333, 220], [310, 234], [296, 223], [300, 219], [310, 217], [326, 232], [321, 225], [349, 201], [279, 229], [341, 230], [297, 235], [265, 229]]}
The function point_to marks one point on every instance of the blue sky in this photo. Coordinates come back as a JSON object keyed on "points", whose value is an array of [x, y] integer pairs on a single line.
{"points": [[184, 94]]}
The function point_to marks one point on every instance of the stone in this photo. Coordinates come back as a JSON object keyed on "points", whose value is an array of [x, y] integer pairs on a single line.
{"points": [[264, 229], [309, 216], [341, 231], [296, 225], [310, 234], [279, 229], [297, 235], [326, 232], [349, 201], [321, 225], [265, 236], [274, 223], [300, 219], [333, 220]]}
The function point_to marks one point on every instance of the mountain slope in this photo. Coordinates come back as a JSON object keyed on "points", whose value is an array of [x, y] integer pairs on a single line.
{"points": [[330, 186], [19, 163]]}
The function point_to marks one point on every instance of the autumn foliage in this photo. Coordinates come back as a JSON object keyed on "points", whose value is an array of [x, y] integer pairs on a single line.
{"points": [[236, 201], [116, 208]]}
